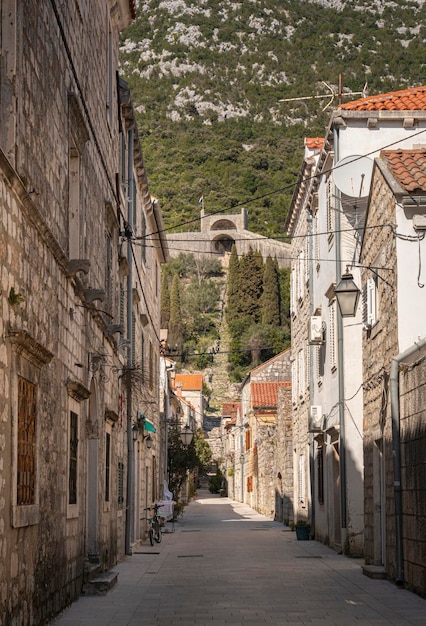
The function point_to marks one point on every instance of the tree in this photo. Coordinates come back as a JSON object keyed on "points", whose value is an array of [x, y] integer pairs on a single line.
{"points": [[232, 290], [165, 301], [183, 459], [176, 327], [250, 285], [271, 297]]}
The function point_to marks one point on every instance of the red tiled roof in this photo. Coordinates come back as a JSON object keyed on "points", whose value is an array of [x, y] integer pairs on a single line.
{"points": [[314, 143], [189, 381], [230, 408], [408, 167], [413, 99], [266, 394]]}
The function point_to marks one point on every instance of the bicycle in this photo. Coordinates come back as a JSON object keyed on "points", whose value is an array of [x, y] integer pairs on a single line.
{"points": [[154, 523]]}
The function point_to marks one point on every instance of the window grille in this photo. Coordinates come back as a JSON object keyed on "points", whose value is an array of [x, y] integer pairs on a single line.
{"points": [[320, 474], [330, 209], [120, 485], [72, 483], [107, 465], [26, 452]]}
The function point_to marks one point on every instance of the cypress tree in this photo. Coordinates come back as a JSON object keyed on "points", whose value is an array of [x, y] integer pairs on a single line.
{"points": [[271, 314], [176, 326], [251, 285], [232, 296], [165, 301]]}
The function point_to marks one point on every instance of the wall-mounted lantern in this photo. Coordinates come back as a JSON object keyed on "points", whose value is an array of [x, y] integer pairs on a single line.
{"points": [[347, 295]]}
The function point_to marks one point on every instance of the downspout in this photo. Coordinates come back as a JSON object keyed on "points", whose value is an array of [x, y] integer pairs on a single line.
{"points": [[396, 451], [130, 443], [340, 369], [311, 373]]}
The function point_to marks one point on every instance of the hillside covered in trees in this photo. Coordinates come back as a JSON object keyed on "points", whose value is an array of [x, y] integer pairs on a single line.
{"points": [[214, 84]]}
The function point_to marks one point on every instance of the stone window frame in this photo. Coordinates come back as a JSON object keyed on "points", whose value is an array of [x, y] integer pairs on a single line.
{"points": [[28, 358], [77, 393]]}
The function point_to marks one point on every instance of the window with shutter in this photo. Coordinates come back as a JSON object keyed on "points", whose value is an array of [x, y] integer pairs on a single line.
{"points": [[293, 292], [332, 335], [369, 303], [301, 478], [330, 209]]}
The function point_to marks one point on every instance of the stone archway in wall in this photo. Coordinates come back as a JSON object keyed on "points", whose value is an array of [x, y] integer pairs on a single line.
{"points": [[222, 244], [223, 224]]}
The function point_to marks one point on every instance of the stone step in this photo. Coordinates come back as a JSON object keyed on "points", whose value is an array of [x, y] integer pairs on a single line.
{"points": [[377, 572], [101, 584]]}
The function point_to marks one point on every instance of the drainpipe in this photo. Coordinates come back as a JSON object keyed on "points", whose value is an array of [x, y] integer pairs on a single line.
{"points": [[340, 370], [130, 455], [396, 450], [310, 260]]}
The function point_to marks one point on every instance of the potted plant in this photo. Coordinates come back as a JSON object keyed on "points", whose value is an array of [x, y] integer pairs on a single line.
{"points": [[302, 530]]}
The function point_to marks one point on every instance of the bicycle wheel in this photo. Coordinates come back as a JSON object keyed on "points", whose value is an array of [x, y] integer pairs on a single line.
{"points": [[151, 535], [157, 533]]}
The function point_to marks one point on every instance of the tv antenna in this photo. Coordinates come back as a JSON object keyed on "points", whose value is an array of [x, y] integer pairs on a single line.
{"points": [[332, 95]]}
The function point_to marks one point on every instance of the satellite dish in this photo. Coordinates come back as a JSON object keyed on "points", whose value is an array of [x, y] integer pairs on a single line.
{"points": [[352, 175]]}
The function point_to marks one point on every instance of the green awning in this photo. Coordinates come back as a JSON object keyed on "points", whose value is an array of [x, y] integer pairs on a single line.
{"points": [[149, 426]]}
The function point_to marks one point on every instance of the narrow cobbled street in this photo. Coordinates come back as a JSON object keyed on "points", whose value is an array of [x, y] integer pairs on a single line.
{"points": [[226, 564]]}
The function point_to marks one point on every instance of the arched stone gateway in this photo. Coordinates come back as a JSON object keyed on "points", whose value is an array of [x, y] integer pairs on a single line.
{"points": [[233, 229], [222, 244]]}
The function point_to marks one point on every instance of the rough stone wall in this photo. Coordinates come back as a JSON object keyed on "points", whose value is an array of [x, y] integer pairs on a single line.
{"points": [[47, 331], [413, 474], [283, 473], [380, 345]]}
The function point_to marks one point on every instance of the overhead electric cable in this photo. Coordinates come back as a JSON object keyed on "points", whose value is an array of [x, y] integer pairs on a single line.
{"points": [[281, 189]]}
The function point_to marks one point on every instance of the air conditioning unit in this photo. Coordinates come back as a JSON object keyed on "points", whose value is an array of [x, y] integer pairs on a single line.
{"points": [[316, 334], [315, 419]]}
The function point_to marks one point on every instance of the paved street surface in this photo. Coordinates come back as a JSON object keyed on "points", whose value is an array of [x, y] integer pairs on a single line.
{"points": [[226, 564]]}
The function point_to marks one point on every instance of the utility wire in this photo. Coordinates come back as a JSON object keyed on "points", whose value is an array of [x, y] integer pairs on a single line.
{"points": [[281, 189]]}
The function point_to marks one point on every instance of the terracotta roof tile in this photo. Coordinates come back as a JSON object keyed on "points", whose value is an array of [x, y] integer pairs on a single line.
{"points": [[189, 381], [314, 143], [266, 394], [413, 99], [230, 408], [408, 167]]}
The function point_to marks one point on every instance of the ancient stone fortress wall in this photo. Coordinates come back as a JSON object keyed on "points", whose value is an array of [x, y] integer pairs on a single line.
{"points": [[217, 235]]}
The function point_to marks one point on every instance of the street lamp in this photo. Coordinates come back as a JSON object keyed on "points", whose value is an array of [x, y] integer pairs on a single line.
{"points": [[347, 294], [186, 436], [149, 440]]}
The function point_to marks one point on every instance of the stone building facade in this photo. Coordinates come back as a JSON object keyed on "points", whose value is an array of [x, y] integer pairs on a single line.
{"points": [[394, 358], [257, 452], [217, 235], [78, 327]]}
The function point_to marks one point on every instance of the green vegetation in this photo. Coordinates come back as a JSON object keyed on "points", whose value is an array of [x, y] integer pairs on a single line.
{"points": [[183, 459], [257, 312], [209, 79]]}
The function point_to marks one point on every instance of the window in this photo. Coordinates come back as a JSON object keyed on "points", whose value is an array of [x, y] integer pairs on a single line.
{"points": [[249, 484], [294, 382], [108, 275], [26, 453], [107, 465], [143, 356], [330, 210], [73, 445], [74, 209], [369, 303], [320, 353], [332, 335], [151, 366], [320, 474], [122, 304], [301, 373], [293, 286], [301, 276], [248, 440], [301, 478], [120, 485], [110, 73], [143, 237]]}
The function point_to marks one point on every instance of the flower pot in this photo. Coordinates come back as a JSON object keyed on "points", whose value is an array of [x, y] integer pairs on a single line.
{"points": [[302, 533]]}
